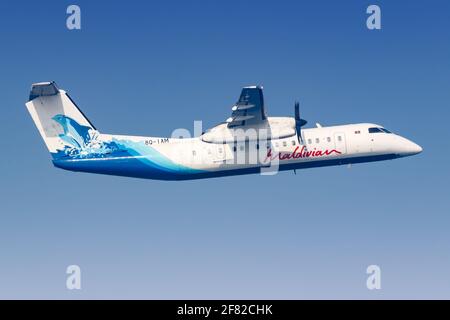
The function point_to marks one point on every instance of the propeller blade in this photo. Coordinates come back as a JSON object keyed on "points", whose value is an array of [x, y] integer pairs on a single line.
{"points": [[299, 122]]}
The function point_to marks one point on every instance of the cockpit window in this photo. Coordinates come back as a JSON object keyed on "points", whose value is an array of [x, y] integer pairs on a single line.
{"points": [[377, 129], [374, 130]]}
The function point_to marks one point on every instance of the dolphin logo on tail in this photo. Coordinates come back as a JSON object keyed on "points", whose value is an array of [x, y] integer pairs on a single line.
{"points": [[74, 134], [81, 140]]}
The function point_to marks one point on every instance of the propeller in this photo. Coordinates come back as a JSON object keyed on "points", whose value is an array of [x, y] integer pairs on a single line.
{"points": [[299, 123]]}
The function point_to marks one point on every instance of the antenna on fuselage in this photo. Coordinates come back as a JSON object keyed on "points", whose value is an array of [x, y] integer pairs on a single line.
{"points": [[299, 122]]}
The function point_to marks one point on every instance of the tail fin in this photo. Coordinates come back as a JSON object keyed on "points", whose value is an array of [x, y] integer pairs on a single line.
{"points": [[57, 117]]}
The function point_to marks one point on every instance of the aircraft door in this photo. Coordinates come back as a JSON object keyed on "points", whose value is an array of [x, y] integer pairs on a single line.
{"points": [[219, 152], [222, 152], [340, 143]]}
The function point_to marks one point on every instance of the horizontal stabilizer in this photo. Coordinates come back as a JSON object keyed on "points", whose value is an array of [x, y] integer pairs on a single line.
{"points": [[42, 89]]}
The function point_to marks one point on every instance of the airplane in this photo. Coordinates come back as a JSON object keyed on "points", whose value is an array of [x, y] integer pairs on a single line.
{"points": [[247, 142]]}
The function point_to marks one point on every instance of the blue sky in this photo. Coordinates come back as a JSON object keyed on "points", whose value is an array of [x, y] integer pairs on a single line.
{"points": [[145, 68]]}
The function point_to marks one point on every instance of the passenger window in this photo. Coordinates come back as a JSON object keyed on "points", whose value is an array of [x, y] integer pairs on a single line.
{"points": [[317, 140], [284, 144], [293, 142], [194, 153], [339, 138], [328, 139], [309, 141], [220, 150], [276, 144]]}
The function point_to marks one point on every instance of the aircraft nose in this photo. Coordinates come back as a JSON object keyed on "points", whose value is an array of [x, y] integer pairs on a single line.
{"points": [[410, 148], [415, 148]]}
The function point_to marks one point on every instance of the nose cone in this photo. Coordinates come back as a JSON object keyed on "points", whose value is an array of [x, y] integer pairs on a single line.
{"points": [[414, 148], [409, 148]]}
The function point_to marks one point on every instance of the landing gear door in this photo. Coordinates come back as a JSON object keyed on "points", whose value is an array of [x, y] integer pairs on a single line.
{"points": [[340, 143]]}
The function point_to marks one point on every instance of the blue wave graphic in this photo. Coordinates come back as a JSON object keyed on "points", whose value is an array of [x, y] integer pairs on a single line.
{"points": [[124, 157], [81, 141]]}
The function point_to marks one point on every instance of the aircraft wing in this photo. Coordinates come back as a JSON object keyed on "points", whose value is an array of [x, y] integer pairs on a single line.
{"points": [[249, 110]]}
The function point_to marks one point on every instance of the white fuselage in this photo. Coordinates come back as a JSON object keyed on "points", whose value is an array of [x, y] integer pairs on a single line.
{"points": [[321, 146], [247, 142]]}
